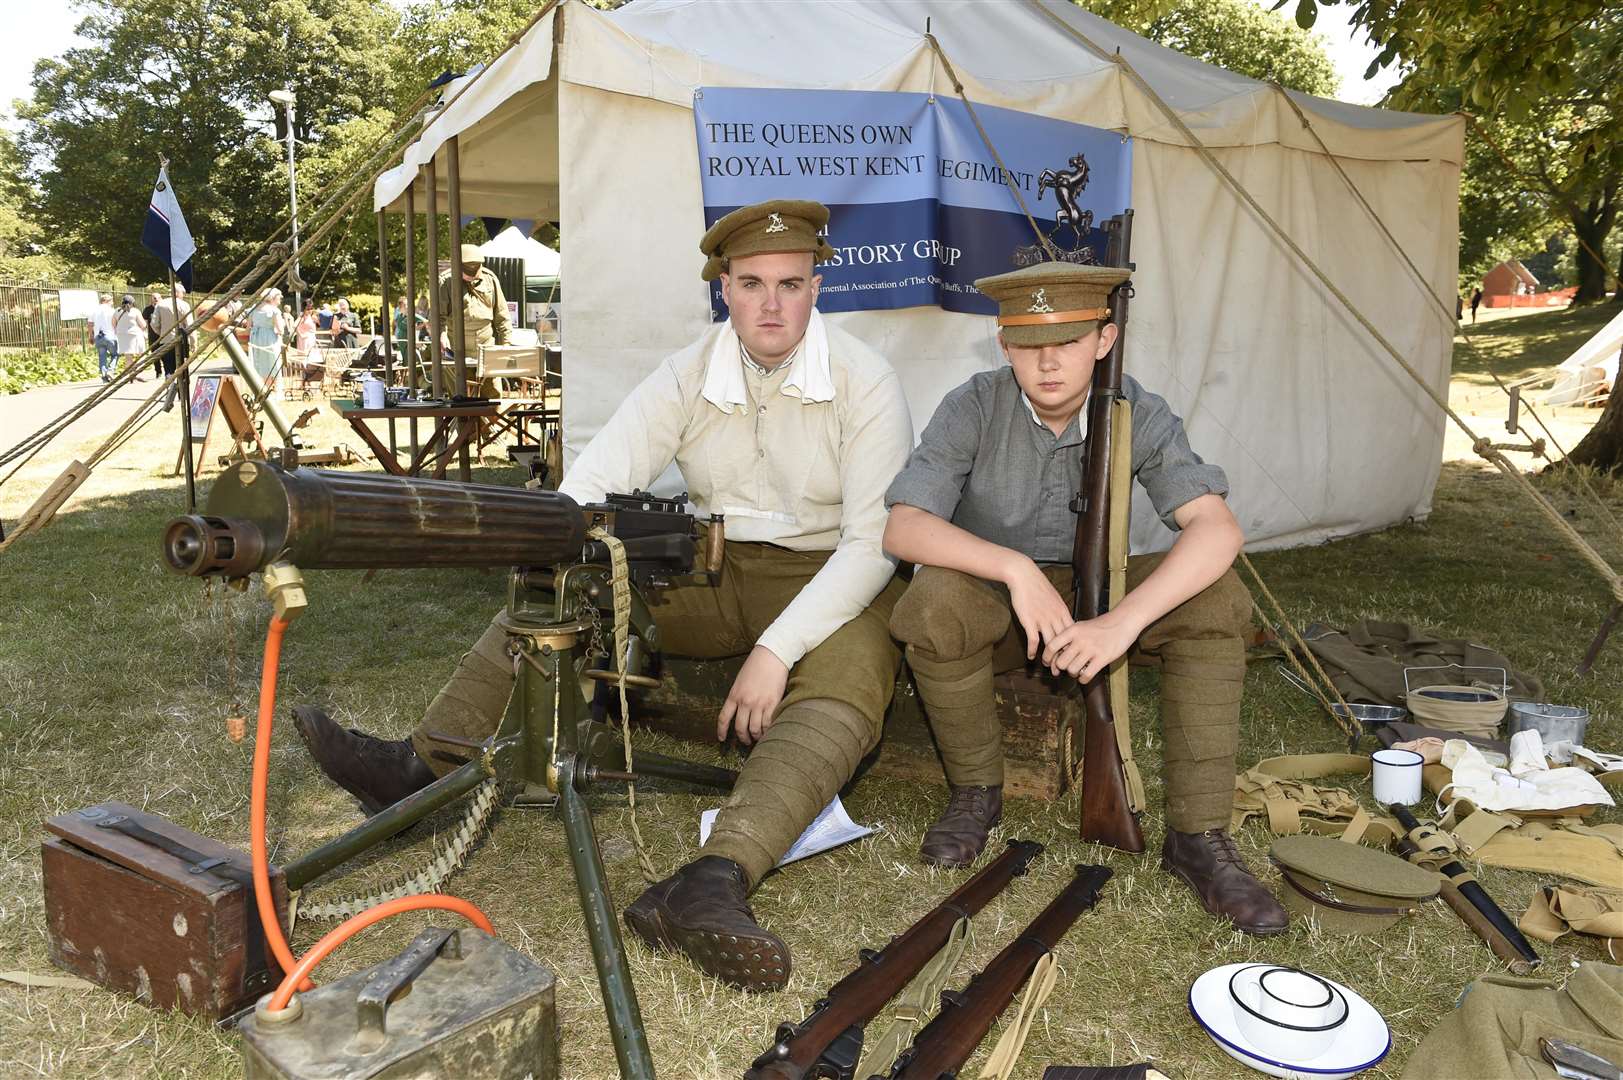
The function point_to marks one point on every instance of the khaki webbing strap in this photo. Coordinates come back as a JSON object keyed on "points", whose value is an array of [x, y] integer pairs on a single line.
{"points": [[1479, 827], [621, 582], [1312, 766], [1581, 829], [1284, 815], [1000, 1062], [1588, 910], [1356, 828], [1121, 504], [915, 1003]]}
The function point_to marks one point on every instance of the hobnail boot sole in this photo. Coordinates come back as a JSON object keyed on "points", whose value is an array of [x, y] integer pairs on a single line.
{"points": [[757, 964], [1262, 931]]}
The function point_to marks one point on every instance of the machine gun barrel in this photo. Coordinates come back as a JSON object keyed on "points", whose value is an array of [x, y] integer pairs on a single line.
{"points": [[259, 513], [829, 1041]]}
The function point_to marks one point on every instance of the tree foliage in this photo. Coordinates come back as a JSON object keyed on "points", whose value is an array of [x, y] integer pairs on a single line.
{"points": [[1245, 39]]}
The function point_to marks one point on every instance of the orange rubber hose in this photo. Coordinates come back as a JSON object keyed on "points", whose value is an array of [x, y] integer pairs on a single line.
{"points": [[258, 798], [349, 927]]}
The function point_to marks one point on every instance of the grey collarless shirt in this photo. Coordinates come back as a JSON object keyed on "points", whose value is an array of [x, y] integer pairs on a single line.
{"points": [[985, 463]]}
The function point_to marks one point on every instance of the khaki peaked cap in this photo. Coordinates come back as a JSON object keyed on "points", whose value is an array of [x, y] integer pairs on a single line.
{"points": [[472, 256], [1050, 303], [769, 228]]}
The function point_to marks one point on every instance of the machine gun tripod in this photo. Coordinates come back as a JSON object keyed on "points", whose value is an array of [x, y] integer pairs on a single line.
{"points": [[271, 519]]}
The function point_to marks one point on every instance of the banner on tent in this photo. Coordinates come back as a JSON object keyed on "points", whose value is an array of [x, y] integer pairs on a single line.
{"points": [[919, 207]]}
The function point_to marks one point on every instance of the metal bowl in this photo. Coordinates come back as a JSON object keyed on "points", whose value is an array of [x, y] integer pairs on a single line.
{"points": [[1554, 723], [1371, 717]]}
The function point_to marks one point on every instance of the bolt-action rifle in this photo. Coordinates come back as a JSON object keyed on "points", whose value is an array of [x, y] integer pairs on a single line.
{"points": [[1461, 891], [1107, 817], [966, 1016], [828, 1043]]}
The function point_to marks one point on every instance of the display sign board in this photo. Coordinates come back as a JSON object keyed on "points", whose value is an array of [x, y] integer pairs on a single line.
{"points": [[919, 205]]}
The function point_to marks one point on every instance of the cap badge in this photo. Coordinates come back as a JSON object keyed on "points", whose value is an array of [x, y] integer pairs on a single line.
{"points": [[1039, 303], [776, 225]]}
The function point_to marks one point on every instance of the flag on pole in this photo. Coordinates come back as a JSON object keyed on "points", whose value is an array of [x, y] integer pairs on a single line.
{"points": [[165, 233]]}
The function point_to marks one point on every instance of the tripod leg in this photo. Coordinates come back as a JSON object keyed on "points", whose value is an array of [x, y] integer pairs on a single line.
{"points": [[603, 928]]}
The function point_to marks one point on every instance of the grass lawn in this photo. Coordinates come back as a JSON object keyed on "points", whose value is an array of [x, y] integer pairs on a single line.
{"points": [[116, 677]]}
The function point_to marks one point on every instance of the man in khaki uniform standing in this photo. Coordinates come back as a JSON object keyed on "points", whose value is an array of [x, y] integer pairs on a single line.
{"points": [[791, 428], [984, 506], [484, 308]]}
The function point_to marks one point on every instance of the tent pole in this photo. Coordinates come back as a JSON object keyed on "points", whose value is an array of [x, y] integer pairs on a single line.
{"points": [[411, 303], [388, 312], [435, 330], [453, 184]]}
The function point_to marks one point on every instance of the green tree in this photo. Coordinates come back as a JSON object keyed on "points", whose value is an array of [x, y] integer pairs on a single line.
{"points": [[186, 80], [1247, 40], [1545, 77]]}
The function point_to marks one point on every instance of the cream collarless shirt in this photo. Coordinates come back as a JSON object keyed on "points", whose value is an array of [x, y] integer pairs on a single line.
{"points": [[808, 475]]}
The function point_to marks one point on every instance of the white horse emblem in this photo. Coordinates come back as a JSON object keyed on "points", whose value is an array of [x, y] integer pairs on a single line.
{"points": [[1039, 303], [776, 225]]}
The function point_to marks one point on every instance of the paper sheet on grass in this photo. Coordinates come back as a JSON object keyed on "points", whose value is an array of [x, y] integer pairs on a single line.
{"points": [[831, 828]]}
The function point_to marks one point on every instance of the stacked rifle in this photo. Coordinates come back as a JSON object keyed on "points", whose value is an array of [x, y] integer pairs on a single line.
{"points": [[829, 1042]]}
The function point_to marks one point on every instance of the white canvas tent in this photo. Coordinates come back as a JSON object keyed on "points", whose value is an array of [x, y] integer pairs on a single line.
{"points": [[538, 259], [1591, 369], [588, 121]]}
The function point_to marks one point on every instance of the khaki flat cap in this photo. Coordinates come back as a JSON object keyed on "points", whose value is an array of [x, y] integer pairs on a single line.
{"points": [[775, 227], [1052, 302]]}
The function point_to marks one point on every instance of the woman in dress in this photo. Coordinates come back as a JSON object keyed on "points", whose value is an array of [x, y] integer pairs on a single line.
{"points": [[265, 336]]}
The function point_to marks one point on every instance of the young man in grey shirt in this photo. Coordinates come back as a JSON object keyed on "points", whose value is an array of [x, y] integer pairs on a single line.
{"points": [[984, 506]]}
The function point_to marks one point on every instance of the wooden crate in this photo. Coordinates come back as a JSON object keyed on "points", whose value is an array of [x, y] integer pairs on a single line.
{"points": [[174, 930], [1034, 713]]}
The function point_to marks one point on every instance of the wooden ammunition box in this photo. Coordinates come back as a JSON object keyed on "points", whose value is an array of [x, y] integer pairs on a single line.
{"points": [[140, 905], [1037, 715]]}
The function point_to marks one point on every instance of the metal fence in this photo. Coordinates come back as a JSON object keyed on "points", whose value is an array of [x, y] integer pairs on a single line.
{"points": [[31, 315]]}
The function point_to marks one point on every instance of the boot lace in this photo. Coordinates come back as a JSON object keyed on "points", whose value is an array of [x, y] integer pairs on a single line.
{"points": [[1223, 848], [969, 800]]}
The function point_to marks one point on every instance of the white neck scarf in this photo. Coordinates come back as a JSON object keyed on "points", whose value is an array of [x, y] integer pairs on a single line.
{"points": [[809, 380]]}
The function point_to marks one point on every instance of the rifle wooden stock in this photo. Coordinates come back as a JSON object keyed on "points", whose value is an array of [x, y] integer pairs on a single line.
{"points": [[947, 1041], [1471, 902], [830, 1040], [1106, 816]]}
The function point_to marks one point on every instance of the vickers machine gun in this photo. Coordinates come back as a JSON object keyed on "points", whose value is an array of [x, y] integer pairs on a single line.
{"points": [[268, 518]]}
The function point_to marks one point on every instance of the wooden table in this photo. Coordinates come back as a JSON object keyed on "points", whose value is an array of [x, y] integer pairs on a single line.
{"points": [[466, 419]]}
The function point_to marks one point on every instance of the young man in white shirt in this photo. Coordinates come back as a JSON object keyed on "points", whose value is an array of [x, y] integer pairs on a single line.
{"points": [[791, 428]]}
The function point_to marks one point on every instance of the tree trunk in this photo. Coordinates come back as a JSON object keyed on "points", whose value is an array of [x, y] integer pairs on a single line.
{"points": [[1592, 224], [1603, 446], [1617, 284]]}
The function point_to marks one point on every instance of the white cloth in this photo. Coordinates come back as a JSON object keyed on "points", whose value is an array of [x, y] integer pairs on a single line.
{"points": [[809, 376], [130, 330], [101, 322], [808, 475], [1492, 788]]}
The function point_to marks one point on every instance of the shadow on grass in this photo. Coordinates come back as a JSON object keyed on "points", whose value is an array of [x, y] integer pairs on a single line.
{"points": [[1515, 348]]}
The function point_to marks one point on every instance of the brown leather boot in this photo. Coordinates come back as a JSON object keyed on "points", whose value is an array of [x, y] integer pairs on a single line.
{"points": [[1210, 864], [959, 834], [377, 772], [700, 910]]}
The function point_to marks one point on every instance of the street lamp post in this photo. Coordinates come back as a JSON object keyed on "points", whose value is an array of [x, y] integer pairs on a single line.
{"points": [[286, 99]]}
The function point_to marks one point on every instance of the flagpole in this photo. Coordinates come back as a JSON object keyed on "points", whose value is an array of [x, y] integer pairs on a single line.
{"points": [[183, 381]]}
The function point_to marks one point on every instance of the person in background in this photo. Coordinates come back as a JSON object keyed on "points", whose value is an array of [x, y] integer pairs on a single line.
{"points": [[346, 325], [130, 332], [265, 335], [288, 323], [1476, 302], [163, 322], [404, 318], [153, 300], [101, 332], [324, 317]]}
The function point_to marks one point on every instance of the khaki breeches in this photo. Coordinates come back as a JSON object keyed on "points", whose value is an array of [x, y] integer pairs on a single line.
{"points": [[959, 631], [831, 716]]}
